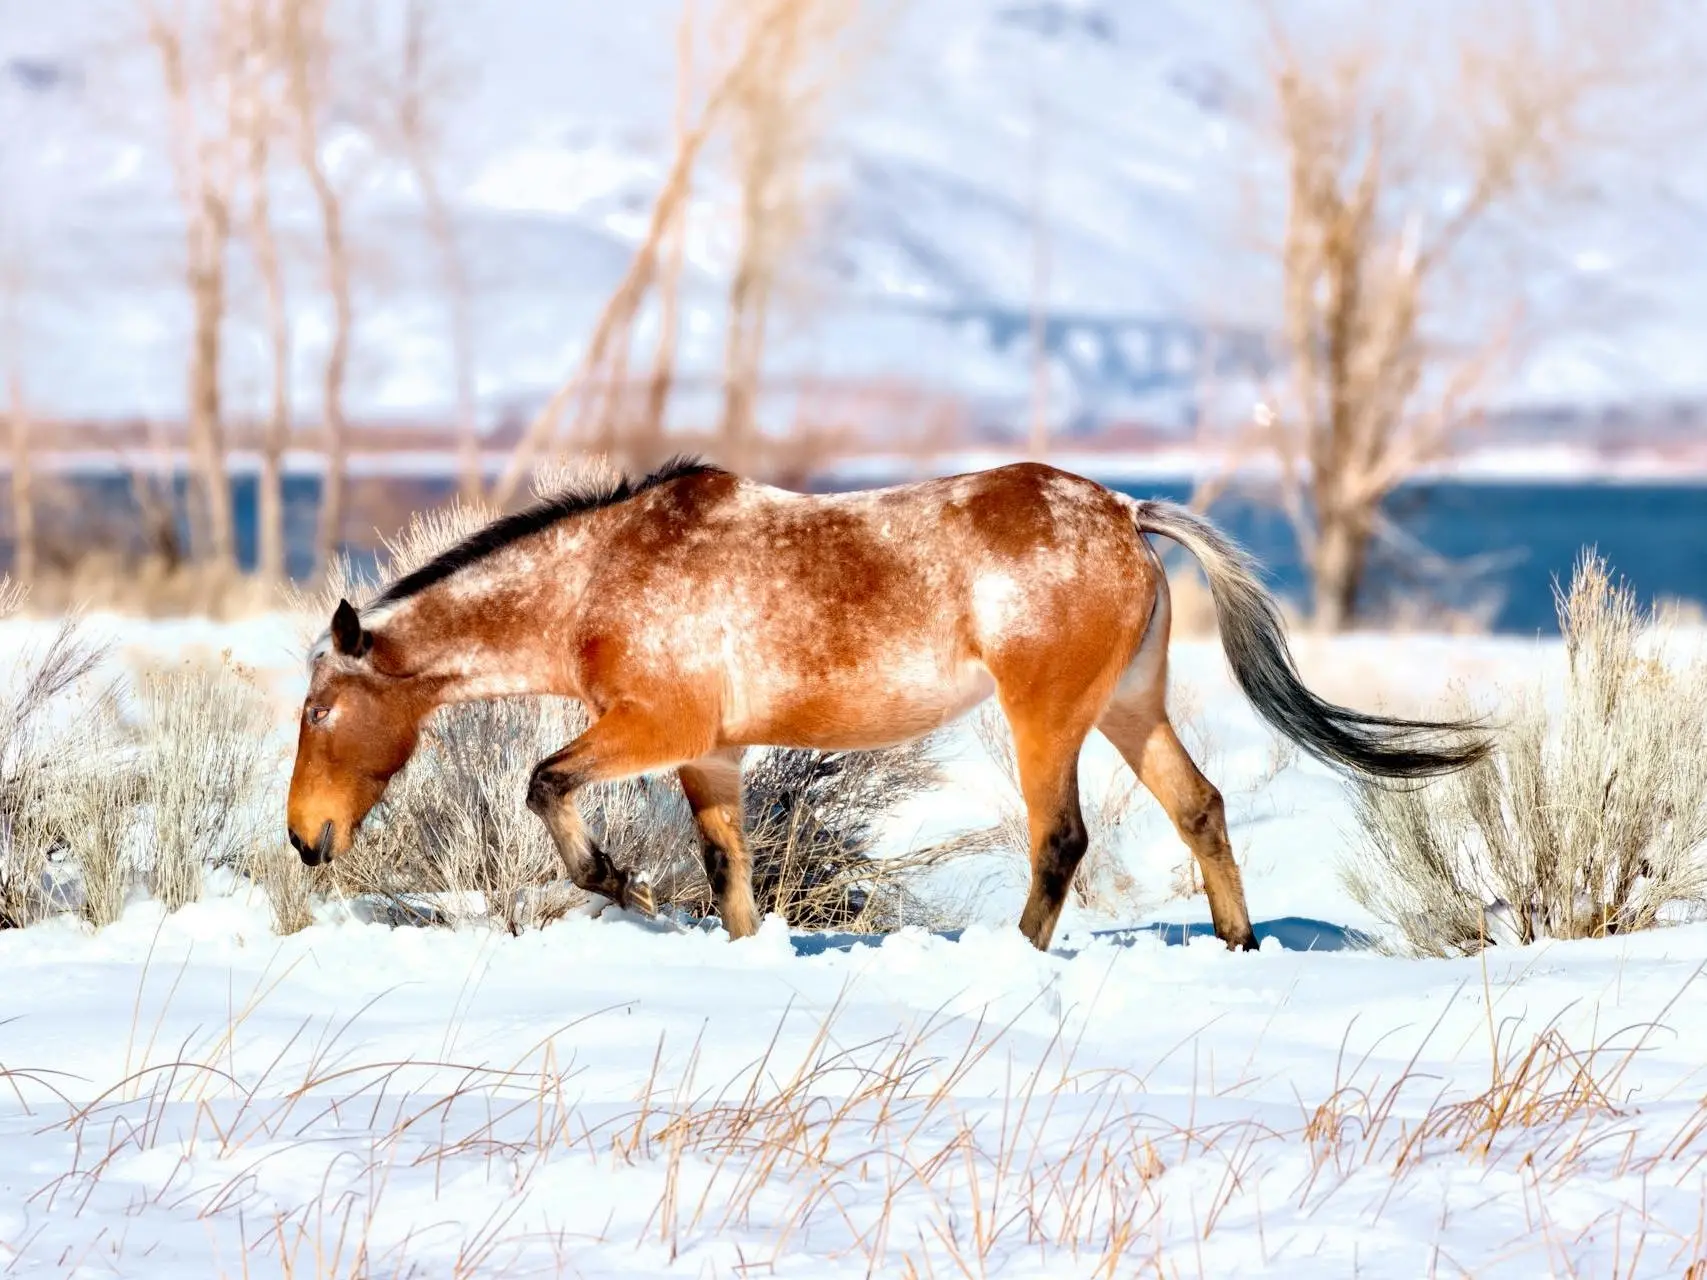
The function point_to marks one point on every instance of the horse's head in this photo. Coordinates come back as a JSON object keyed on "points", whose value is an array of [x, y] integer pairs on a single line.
{"points": [[359, 727]]}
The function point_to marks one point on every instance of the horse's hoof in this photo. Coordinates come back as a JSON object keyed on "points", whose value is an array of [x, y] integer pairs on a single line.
{"points": [[638, 895]]}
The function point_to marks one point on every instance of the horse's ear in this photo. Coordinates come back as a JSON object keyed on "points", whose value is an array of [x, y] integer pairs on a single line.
{"points": [[348, 638]]}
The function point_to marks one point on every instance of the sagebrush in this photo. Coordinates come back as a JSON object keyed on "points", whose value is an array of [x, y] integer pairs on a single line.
{"points": [[105, 785], [1591, 819]]}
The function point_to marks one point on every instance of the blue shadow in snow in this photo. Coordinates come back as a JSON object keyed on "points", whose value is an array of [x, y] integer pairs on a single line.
{"points": [[1294, 933]]}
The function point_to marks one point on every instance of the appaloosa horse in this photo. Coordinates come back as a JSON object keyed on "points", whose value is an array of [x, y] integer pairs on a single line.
{"points": [[696, 614]]}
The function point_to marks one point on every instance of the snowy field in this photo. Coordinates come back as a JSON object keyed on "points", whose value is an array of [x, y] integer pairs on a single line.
{"points": [[193, 1096]]}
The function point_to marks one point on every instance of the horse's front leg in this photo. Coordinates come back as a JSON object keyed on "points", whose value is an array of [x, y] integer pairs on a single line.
{"points": [[625, 741]]}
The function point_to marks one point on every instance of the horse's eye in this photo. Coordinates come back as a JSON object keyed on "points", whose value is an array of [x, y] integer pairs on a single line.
{"points": [[317, 714]]}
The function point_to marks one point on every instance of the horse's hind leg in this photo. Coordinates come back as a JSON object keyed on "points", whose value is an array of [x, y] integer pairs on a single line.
{"points": [[1046, 752], [713, 788], [623, 742], [1140, 731]]}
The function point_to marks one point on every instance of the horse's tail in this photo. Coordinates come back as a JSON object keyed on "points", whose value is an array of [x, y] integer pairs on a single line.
{"points": [[1254, 638]]}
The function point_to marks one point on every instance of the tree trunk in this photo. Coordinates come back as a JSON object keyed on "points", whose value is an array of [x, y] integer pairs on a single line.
{"points": [[1337, 566], [331, 538], [443, 232], [648, 443], [23, 497], [209, 232], [331, 533], [303, 32], [270, 533], [738, 387]]}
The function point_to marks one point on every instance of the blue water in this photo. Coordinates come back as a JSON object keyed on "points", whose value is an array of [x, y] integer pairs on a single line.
{"points": [[1506, 542]]}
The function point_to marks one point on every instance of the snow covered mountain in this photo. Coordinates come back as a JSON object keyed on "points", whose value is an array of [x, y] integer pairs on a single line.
{"points": [[1120, 127]]}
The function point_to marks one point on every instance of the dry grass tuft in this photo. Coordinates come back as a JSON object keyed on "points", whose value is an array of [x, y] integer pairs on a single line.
{"points": [[201, 766], [1590, 821], [91, 802], [1548, 1085], [453, 839], [41, 767], [813, 821], [290, 887], [83, 809]]}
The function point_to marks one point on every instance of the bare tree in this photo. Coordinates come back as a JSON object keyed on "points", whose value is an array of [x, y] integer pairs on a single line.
{"points": [[771, 39], [647, 445], [258, 123], [23, 568], [1393, 317], [406, 99], [306, 51], [775, 119], [612, 330], [197, 52], [1040, 379]]}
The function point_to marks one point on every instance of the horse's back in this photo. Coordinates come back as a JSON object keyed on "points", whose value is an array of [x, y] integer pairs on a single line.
{"points": [[858, 617]]}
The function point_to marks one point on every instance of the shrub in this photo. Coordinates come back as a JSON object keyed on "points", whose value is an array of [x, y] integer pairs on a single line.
{"points": [[201, 771], [83, 809], [1590, 820], [453, 839], [41, 766], [813, 821]]}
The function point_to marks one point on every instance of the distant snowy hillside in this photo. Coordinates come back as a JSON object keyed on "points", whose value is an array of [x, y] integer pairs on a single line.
{"points": [[922, 267]]}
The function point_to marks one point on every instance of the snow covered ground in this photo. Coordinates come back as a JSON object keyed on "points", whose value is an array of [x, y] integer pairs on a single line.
{"points": [[194, 1096]]}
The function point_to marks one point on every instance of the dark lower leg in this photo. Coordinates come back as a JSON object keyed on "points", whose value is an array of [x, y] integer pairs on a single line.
{"points": [[1203, 827], [1198, 814], [551, 796], [713, 790], [625, 741], [1055, 857]]}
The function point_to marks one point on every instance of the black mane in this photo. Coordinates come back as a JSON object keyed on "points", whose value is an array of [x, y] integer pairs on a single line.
{"points": [[512, 528]]}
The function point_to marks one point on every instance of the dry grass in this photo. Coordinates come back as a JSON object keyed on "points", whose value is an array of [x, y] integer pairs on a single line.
{"points": [[290, 887], [941, 1149], [813, 821], [453, 838], [91, 802], [202, 768], [41, 766], [1592, 818], [149, 586], [89, 799]]}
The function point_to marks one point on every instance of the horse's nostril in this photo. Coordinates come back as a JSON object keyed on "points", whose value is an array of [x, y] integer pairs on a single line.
{"points": [[307, 852]]}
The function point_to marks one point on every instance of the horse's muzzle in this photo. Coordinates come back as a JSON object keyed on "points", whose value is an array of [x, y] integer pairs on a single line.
{"points": [[313, 854]]}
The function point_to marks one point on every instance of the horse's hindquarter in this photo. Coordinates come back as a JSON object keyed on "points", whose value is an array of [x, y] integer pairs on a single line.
{"points": [[865, 619]]}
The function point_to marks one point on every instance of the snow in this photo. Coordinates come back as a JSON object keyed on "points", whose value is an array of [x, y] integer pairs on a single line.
{"points": [[192, 1095]]}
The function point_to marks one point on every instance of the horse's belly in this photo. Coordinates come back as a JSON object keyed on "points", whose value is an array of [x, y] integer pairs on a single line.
{"points": [[893, 699]]}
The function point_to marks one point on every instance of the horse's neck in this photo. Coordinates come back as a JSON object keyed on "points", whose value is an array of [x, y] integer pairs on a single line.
{"points": [[469, 645]]}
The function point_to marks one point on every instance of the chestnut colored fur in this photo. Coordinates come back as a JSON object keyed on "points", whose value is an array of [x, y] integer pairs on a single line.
{"points": [[696, 614]]}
